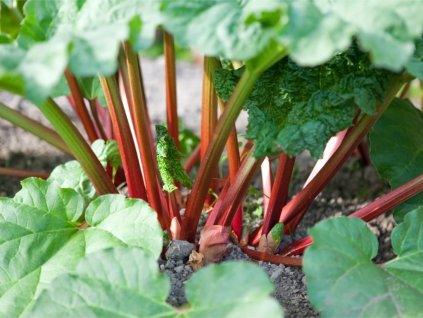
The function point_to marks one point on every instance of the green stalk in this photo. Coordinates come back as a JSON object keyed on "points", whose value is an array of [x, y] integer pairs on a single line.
{"points": [[33, 127], [224, 127], [78, 147]]}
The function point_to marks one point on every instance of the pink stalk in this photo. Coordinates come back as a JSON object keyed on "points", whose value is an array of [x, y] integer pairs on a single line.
{"points": [[266, 178], [332, 145]]}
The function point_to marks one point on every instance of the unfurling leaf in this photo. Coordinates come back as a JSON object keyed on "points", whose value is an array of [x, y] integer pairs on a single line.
{"points": [[169, 161]]}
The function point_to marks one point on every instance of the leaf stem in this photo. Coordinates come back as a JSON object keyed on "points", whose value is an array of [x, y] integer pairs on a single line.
{"points": [[131, 166], [170, 77], [224, 126], [33, 127], [79, 147], [279, 193], [141, 123], [21, 173], [80, 106]]}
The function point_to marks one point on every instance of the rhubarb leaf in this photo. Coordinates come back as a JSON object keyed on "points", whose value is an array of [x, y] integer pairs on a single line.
{"points": [[72, 175], [48, 196], [231, 28], [39, 241], [343, 282], [294, 108], [231, 289], [127, 283], [169, 161], [84, 35], [385, 29], [396, 149], [119, 282]]}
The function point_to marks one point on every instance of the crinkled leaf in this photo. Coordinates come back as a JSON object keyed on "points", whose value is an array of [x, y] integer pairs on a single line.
{"points": [[343, 282], [317, 29], [71, 175], [168, 160], [230, 28], [293, 108], [48, 196], [397, 148], [123, 282], [38, 242]]}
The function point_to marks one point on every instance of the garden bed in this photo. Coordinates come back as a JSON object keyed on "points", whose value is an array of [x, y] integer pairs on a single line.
{"points": [[350, 189]]}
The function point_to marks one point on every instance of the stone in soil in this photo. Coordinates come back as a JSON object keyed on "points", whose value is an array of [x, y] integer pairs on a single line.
{"points": [[179, 250]]}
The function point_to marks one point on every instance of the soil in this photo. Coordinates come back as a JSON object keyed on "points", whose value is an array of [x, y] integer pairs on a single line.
{"points": [[349, 190]]}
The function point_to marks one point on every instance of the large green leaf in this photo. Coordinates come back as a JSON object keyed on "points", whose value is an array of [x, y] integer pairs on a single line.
{"points": [[48, 196], [39, 238], [231, 289], [312, 30], [125, 282], [224, 27], [343, 282], [84, 35], [397, 148], [294, 108], [385, 29]]}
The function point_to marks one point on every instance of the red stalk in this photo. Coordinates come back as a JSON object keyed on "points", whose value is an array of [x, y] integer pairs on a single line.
{"points": [[224, 126], [209, 103], [371, 211], [124, 139], [170, 75], [192, 159], [234, 163], [105, 120], [301, 202], [275, 259], [238, 189], [98, 125], [20, 173], [141, 121], [279, 193], [80, 107], [332, 145], [233, 193]]}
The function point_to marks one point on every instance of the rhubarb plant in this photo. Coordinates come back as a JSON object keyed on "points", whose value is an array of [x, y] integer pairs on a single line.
{"points": [[316, 76]]}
